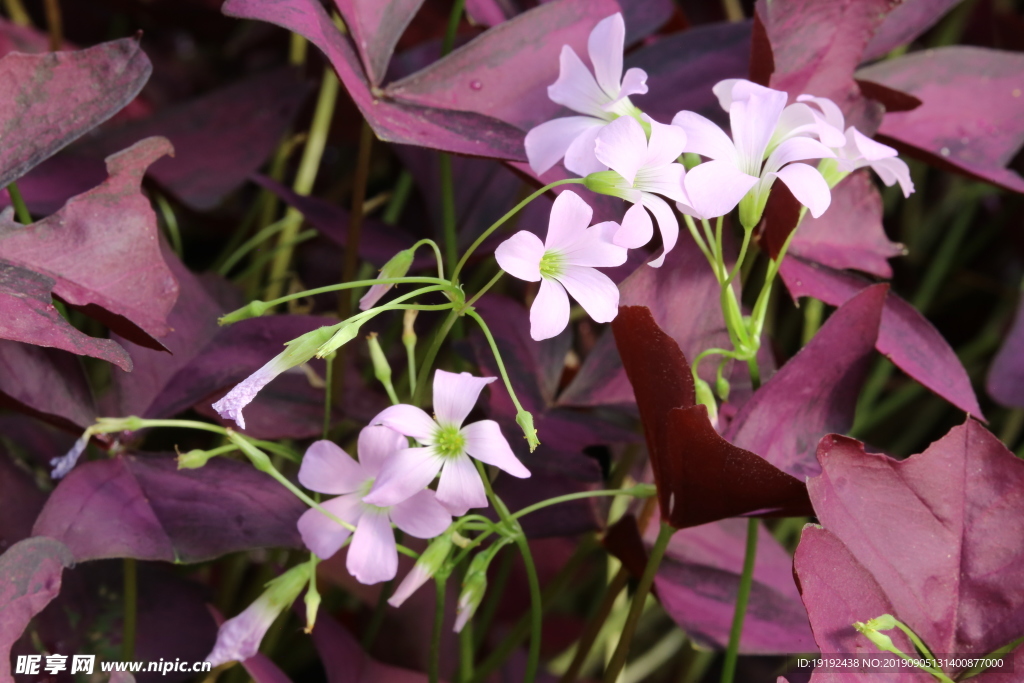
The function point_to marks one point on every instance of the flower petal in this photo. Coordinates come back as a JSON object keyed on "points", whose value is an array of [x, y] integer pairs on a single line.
{"points": [[568, 221], [594, 291], [230, 407], [405, 474], [520, 256], [894, 170], [377, 444], [723, 91], [408, 420], [549, 313], [576, 87], [664, 180], [239, 637], [455, 394], [753, 122], [421, 516], [486, 443], [321, 534], [547, 143], [595, 248], [633, 83], [605, 46], [373, 556], [460, 488], [866, 147], [807, 185], [716, 187], [667, 143], [580, 158], [705, 138], [622, 146], [636, 231], [374, 294], [833, 115], [328, 469], [795, 149], [667, 224], [412, 582]]}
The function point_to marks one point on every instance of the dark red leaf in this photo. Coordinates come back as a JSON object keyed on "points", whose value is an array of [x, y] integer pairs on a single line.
{"points": [[48, 384], [21, 499], [346, 662], [376, 26], [1005, 381]]}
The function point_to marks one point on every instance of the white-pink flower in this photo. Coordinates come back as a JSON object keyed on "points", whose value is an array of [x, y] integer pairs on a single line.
{"points": [[763, 147], [447, 447], [855, 150], [601, 99], [567, 260], [373, 556], [640, 171]]}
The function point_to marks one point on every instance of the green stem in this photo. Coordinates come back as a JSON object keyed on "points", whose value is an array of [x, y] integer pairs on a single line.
{"points": [[377, 620], [435, 639], [355, 222], [18, 202], [501, 221], [611, 674], [451, 240], [536, 613], [594, 626], [170, 222], [453, 26], [131, 595], [328, 382], [638, 491], [248, 245], [814, 310], [483, 290], [399, 197], [264, 306], [431, 355], [742, 597], [497, 357], [692, 227]]}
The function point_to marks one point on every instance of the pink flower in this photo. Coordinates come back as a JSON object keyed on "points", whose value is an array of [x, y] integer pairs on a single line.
{"points": [[373, 556], [566, 260], [447, 448], [763, 147], [641, 170], [602, 100]]}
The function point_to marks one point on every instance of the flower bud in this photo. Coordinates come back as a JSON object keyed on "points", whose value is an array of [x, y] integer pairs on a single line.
{"points": [[880, 640], [426, 566], [253, 309], [525, 421], [474, 585], [398, 266], [706, 398], [611, 183], [194, 459], [408, 331], [691, 160], [344, 335], [381, 367], [722, 387]]}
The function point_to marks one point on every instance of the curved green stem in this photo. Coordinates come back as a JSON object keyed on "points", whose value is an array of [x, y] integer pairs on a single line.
{"points": [[437, 255], [536, 613], [431, 355], [483, 290], [639, 491], [497, 357], [18, 202], [742, 597], [435, 639]]}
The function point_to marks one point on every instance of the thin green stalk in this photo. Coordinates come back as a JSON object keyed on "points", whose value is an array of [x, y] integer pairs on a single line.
{"points": [[355, 222], [451, 244], [399, 198], [263, 259], [611, 673], [131, 597], [742, 597], [497, 357], [453, 26], [467, 650], [638, 491], [536, 613], [496, 590], [18, 202], [814, 310], [596, 623], [483, 290], [940, 265], [692, 227], [379, 610], [431, 355], [170, 223], [328, 379], [501, 221], [435, 639]]}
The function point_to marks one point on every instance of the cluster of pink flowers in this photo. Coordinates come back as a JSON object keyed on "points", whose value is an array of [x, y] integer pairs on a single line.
{"points": [[624, 153]]}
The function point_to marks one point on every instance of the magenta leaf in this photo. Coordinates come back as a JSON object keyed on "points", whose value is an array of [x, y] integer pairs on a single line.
{"points": [[40, 90], [102, 250], [29, 316], [346, 662], [144, 507], [908, 20], [700, 574], [31, 572], [972, 116], [850, 234], [949, 564], [46, 383], [1005, 382], [376, 26], [905, 336], [21, 499], [504, 73], [453, 131], [815, 393]]}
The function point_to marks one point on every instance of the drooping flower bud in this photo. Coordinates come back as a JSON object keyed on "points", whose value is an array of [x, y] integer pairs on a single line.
{"points": [[194, 459], [381, 367], [398, 266], [426, 566], [524, 419], [474, 585], [706, 398], [346, 333]]}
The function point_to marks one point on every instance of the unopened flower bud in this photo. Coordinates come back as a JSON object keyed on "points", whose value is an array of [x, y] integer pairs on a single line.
{"points": [[722, 387], [253, 309], [691, 160], [344, 335], [612, 184], [398, 266], [473, 588], [381, 367], [408, 331], [880, 640], [525, 421], [428, 564], [312, 600], [706, 398], [194, 459]]}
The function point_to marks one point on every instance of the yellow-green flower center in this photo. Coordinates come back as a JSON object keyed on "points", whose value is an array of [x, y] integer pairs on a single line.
{"points": [[552, 264], [364, 491], [449, 441]]}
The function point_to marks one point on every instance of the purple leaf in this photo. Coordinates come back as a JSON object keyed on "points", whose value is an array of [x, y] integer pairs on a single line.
{"points": [[504, 73], [49, 185], [376, 26], [146, 508], [31, 573], [815, 393], [103, 252], [698, 579], [850, 233], [972, 116], [40, 90], [48, 384], [15, 38], [485, 12], [453, 131], [644, 17], [346, 662], [29, 316], [906, 21], [905, 336], [951, 568], [219, 139], [1005, 381], [21, 499]]}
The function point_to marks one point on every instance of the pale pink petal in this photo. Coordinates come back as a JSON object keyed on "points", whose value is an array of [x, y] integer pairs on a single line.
{"points": [[455, 394], [667, 143], [866, 147], [595, 248], [633, 83], [568, 220], [328, 469], [421, 516], [622, 146], [377, 444], [894, 170], [373, 557], [239, 638], [667, 224], [743, 90], [412, 582], [576, 87], [65, 463], [486, 443], [832, 113], [605, 46], [753, 122], [637, 228], [795, 149], [705, 138], [664, 180], [723, 91], [580, 157], [800, 119], [807, 185], [230, 407], [549, 313], [459, 487], [321, 534], [520, 256], [403, 475], [547, 143], [716, 187], [408, 420], [594, 291], [373, 295]]}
